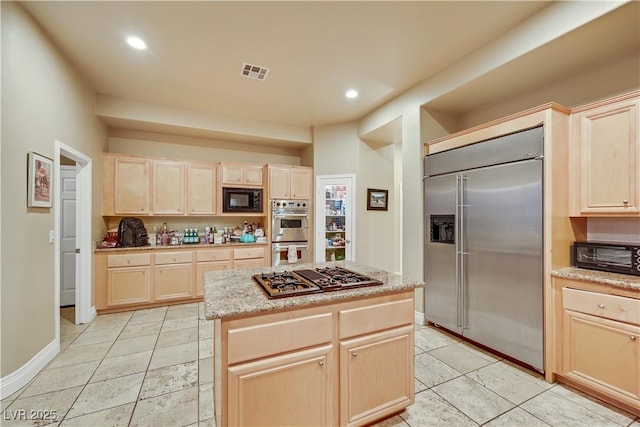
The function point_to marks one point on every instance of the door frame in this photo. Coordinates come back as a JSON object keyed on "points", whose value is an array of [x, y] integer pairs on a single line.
{"points": [[85, 312], [319, 213]]}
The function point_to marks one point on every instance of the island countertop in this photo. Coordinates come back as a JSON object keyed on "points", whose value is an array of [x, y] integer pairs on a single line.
{"points": [[234, 293]]}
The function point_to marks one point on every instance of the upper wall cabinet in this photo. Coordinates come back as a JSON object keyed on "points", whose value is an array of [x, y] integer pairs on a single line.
{"points": [[239, 174], [606, 143], [290, 182], [125, 186], [168, 187], [201, 189]]}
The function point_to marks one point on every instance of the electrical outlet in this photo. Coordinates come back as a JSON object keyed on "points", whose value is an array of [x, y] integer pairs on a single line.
{"points": [[51, 236]]}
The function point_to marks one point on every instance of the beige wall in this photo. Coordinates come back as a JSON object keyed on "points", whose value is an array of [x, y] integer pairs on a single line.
{"points": [[190, 148], [43, 100]]}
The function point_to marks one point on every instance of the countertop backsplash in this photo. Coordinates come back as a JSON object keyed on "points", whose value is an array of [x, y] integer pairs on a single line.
{"points": [[618, 230], [182, 222]]}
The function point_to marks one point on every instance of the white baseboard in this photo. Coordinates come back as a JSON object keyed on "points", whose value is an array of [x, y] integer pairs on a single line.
{"points": [[418, 317], [19, 378]]}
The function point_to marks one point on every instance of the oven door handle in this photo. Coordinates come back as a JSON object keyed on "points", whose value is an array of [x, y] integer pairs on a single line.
{"points": [[281, 247], [282, 215]]}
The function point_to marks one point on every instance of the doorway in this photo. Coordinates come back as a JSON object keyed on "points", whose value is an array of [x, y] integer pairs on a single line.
{"points": [[335, 219], [67, 232], [81, 244]]}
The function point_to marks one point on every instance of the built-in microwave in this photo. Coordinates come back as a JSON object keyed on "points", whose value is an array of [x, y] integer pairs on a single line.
{"points": [[604, 256], [242, 200]]}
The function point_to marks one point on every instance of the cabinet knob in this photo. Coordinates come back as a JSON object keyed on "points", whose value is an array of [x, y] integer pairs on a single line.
{"points": [[632, 337], [626, 202], [321, 363], [354, 354], [600, 305]]}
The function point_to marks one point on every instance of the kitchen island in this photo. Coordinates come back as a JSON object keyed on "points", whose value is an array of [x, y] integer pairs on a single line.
{"points": [[334, 358]]}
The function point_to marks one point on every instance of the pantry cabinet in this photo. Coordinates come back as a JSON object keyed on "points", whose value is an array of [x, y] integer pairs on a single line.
{"points": [[290, 182], [598, 340], [168, 187], [606, 142], [202, 189], [239, 174]]}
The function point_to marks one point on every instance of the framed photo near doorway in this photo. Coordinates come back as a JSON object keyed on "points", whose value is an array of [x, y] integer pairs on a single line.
{"points": [[377, 200], [39, 186]]}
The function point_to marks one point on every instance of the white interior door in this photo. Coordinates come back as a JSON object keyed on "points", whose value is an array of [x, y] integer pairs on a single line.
{"points": [[67, 235], [335, 219]]}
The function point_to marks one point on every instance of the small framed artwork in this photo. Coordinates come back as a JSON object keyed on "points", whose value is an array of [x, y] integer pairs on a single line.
{"points": [[39, 189], [377, 200]]}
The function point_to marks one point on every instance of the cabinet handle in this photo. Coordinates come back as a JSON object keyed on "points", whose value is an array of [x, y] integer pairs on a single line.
{"points": [[321, 363], [632, 337], [600, 305], [354, 354]]}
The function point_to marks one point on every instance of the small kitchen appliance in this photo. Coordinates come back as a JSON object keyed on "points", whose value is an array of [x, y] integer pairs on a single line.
{"points": [[306, 281], [607, 256], [242, 200]]}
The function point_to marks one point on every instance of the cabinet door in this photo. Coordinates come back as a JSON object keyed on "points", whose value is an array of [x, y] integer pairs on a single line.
{"points": [[203, 267], [609, 168], [248, 263], [293, 389], [376, 375], [301, 187], [168, 188], [128, 285], [131, 186], [279, 183], [602, 353], [232, 174], [201, 194], [174, 281], [253, 175]]}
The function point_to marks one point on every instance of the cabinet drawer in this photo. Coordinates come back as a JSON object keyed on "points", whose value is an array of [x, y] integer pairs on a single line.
{"points": [[214, 255], [128, 260], [246, 253], [174, 257], [364, 320], [602, 305], [257, 341]]}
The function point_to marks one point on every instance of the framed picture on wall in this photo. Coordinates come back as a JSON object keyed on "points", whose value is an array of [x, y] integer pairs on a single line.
{"points": [[377, 200], [39, 189]]}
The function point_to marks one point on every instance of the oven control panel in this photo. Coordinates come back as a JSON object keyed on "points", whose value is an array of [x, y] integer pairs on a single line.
{"points": [[289, 204]]}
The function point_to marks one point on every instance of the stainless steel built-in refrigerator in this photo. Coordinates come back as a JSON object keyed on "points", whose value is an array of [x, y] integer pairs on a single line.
{"points": [[483, 243]]}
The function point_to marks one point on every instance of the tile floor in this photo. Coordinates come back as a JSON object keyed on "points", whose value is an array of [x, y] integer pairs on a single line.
{"points": [[153, 367]]}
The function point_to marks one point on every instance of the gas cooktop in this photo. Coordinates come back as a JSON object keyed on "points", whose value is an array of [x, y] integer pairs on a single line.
{"points": [[301, 282]]}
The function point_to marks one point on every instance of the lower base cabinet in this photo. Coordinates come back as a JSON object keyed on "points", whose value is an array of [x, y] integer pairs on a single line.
{"points": [[346, 363], [128, 285], [598, 341], [377, 375], [293, 389]]}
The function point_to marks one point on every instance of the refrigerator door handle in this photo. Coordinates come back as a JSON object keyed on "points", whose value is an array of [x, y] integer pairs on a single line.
{"points": [[458, 250], [463, 253]]}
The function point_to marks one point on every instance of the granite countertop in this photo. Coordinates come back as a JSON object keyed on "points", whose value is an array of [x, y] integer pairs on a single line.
{"points": [[187, 246], [625, 281], [234, 293]]}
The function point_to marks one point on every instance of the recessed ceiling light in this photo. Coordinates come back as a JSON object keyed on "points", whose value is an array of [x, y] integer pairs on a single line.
{"points": [[351, 93], [136, 43]]}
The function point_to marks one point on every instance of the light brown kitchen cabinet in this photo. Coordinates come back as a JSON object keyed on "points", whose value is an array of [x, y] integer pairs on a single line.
{"points": [[298, 386], [202, 189], [290, 182], [252, 257], [168, 187], [173, 275], [606, 140], [598, 342], [128, 280], [131, 186], [210, 260], [239, 174]]}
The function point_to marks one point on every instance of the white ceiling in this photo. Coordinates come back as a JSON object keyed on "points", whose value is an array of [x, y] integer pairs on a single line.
{"points": [[315, 51]]}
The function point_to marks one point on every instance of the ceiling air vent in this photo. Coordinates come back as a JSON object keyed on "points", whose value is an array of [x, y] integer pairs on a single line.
{"points": [[254, 71]]}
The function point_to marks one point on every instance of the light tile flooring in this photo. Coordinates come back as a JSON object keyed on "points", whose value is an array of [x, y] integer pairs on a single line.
{"points": [[154, 368]]}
